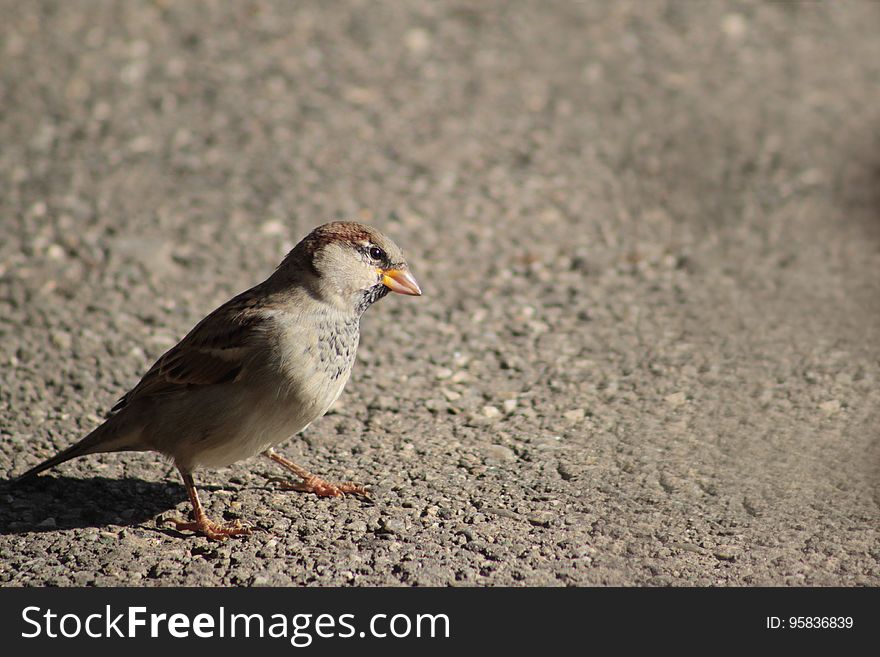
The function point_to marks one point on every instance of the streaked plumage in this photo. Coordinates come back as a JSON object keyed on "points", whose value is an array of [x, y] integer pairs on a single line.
{"points": [[261, 367]]}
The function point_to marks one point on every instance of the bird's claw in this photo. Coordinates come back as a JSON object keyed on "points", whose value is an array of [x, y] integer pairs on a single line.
{"points": [[323, 488], [213, 530]]}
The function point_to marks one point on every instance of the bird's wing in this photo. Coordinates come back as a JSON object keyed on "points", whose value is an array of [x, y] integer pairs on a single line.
{"points": [[213, 352]]}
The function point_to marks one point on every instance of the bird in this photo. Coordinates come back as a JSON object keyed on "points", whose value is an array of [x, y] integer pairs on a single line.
{"points": [[257, 370]]}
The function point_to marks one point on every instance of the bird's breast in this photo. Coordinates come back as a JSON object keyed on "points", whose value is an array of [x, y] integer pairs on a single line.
{"points": [[289, 385], [316, 359]]}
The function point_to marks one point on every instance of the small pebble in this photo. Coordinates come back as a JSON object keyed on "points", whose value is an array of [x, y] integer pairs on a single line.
{"points": [[357, 526], [500, 453], [725, 553], [451, 395], [830, 407], [491, 412], [393, 525], [443, 373], [273, 227], [55, 252], [62, 340], [418, 41], [676, 399], [734, 26]]}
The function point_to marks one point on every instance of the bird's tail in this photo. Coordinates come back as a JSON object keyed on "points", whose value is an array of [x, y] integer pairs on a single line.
{"points": [[105, 438]]}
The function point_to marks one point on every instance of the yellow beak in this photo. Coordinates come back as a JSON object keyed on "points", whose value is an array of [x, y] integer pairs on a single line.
{"points": [[400, 281]]}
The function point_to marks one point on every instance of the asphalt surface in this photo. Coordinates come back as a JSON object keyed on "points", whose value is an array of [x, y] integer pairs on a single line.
{"points": [[648, 236]]}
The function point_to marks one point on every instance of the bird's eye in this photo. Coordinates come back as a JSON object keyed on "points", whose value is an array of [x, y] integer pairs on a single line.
{"points": [[376, 253]]}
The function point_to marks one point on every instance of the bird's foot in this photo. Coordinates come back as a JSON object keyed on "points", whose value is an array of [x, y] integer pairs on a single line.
{"points": [[318, 486], [213, 530]]}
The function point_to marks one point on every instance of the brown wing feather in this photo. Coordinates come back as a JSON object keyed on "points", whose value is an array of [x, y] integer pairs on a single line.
{"points": [[211, 353]]}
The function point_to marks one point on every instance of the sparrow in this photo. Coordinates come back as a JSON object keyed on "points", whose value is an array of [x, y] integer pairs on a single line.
{"points": [[259, 369]]}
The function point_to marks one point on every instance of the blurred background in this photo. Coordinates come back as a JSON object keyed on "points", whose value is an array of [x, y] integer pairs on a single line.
{"points": [[648, 236]]}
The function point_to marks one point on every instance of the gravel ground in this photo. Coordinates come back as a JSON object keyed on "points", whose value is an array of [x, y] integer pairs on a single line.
{"points": [[648, 236]]}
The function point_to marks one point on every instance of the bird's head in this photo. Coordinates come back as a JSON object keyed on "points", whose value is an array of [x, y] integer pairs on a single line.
{"points": [[351, 265]]}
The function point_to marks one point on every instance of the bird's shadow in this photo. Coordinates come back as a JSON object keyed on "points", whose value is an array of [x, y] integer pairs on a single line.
{"points": [[50, 503]]}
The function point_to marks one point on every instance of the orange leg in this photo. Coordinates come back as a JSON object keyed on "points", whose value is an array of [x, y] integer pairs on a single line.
{"points": [[201, 523], [312, 483]]}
